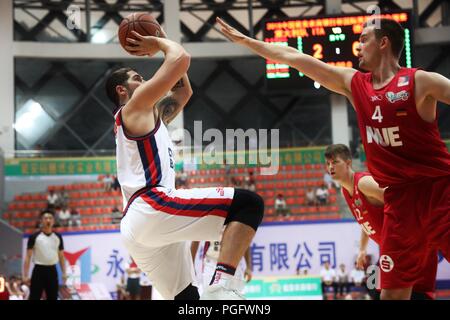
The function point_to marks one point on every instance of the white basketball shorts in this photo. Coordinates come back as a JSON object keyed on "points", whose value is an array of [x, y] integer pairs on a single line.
{"points": [[159, 224]]}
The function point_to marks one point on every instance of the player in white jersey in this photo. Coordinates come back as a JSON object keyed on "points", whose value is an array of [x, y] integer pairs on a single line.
{"points": [[159, 221]]}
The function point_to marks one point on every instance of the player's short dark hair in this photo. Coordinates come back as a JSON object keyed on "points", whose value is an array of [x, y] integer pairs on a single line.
{"points": [[118, 78], [393, 31], [338, 150], [47, 212]]}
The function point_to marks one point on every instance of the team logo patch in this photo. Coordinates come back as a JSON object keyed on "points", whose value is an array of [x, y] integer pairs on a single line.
{"points": [[386, 263], [394, 97], [403, 81]]}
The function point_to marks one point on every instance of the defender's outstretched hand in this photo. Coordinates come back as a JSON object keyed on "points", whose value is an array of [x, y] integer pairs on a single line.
{"points": [[231, 33]]}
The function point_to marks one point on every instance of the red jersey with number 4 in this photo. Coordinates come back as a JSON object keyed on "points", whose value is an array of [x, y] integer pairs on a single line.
{"points": [[370, 217], [400, 146]]}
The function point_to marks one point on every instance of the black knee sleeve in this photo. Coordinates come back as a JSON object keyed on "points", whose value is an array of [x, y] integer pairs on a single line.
{"points": [[189, 293], [247, 207]]}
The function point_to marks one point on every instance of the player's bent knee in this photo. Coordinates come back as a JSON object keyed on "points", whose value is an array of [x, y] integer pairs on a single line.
{"points": [[247, 207], [189, 293]]}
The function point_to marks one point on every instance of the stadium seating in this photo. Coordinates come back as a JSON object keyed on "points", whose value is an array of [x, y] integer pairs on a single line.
{"points": [[94, 204]]}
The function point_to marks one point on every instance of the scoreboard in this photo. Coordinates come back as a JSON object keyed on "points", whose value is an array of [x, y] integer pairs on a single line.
{"points": [[332, 39]]}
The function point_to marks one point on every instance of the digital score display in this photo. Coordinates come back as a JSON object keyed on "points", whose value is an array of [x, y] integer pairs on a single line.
{"points": [[332, 39]]}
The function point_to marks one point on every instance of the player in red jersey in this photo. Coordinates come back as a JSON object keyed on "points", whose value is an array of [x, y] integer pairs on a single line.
{"points": [[396, 110], [365, 199]]}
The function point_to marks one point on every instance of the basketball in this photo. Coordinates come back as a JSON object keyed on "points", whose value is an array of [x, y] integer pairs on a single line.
{"points": [[143, 23]]}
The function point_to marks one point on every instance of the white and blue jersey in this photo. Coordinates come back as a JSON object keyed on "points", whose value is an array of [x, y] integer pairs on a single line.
{"points": [[143, 162], [159, 221]]}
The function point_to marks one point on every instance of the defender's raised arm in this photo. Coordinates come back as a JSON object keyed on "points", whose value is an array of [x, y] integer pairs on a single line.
{"points": [[337, 79]]}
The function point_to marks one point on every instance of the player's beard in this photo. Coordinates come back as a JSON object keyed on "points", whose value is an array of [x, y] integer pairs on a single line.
{"points": [[129, 92]]}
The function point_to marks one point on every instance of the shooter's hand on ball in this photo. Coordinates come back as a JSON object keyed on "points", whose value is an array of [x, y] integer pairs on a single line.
{"points": [[143, 45]]}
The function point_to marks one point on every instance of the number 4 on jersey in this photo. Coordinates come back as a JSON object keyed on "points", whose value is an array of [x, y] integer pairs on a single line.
{"points": [[377, 114]]}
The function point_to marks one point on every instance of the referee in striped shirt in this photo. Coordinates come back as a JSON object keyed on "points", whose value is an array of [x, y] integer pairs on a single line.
{"points": [[46, 248]]}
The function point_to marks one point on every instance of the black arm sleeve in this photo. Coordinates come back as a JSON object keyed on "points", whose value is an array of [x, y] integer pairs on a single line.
{"points": [[61, 243], [32, 240]]}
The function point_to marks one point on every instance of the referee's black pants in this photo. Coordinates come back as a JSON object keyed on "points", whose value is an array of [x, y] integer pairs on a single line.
{"points": [[44, 278]]}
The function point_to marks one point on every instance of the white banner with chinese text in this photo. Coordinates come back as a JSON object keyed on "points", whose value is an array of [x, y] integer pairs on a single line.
{"points": [[277, 250]]}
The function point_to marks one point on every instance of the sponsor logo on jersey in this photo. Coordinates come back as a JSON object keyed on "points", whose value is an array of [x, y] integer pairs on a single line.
{"points": [[386, 263], [376, 98], [403, 81], [394, 97]]}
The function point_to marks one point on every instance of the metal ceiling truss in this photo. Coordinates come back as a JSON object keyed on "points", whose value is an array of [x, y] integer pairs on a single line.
{"points": [[57, 11], [58, 68], [196, 9], [275, 9]]}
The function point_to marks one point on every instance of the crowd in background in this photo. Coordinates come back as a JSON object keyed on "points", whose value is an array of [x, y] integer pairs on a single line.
{"points": [[13, 288], [66, 216], [342, 283]]}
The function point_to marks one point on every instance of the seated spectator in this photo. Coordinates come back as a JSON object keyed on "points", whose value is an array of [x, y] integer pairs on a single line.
{"points": [[235, 182], [250, 183], [227, 171], [108, 181], [184, 178], [62, 216], [328, 276], [343, 281], [310, 197], [181, 179], [75, 218], [322, 195], [25, 289], [116, 215], [52, 199], [327, 180], [357, 277], [280, 205], [300, 273], [115, 184], [63, 197], [122, 293], [146, 287], [133, 284], [15, 287]]}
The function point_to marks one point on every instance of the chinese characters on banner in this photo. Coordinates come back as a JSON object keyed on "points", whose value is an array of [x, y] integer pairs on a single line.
{"points": [[300, 255]]}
